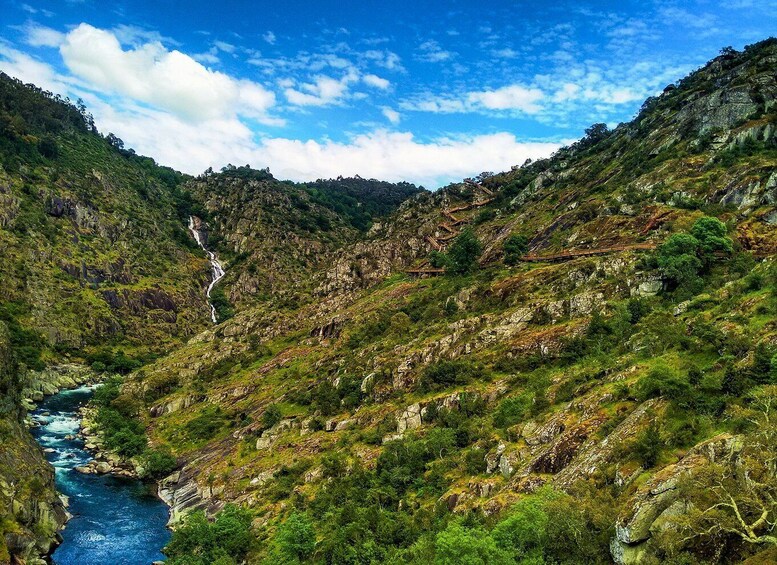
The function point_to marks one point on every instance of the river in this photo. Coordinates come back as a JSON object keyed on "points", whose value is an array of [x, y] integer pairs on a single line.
{"points": [[116, 521]]}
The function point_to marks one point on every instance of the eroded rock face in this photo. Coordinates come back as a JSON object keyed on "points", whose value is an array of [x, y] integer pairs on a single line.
{"points": [[409, 419], [656, 502]]}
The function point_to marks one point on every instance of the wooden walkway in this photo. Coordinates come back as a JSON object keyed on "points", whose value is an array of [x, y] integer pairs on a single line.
{"points": [[570, 255]]}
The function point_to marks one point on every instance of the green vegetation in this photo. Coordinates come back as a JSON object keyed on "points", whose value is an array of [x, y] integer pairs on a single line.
{"points": [[224, 541], [515, 247], [462, 256]]}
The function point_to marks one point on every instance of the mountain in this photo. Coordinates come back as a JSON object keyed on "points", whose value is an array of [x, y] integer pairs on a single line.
{"points": [[574, 361], [583, 390], [100, 269]]}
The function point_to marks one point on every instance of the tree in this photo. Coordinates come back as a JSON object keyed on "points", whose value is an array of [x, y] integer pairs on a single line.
{"points": [[679, 262], [595, 133], [515, 247], [711, 235], [457, 545], [295, 538], [464, 252], [737, 494]]}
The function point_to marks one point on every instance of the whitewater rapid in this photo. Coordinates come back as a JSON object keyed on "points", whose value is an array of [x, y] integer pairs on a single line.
{"points": [[217, 270], [115, 520]]}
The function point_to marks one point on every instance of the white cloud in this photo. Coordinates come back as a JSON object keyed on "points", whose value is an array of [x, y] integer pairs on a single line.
{"points": [[376, 81], [507, 98], [392, 115], [505, 53], [386, 59], [513, 97], [224, 46], [398, 156], [30, 70], [431, 52], [269, 37], [323, 92], [42, 36], [168, 80]]}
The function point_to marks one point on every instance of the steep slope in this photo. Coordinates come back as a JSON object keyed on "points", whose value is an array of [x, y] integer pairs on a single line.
{"points": [[276, 235], [30, 510], [603, 391], [95, 247], [96, 267]]}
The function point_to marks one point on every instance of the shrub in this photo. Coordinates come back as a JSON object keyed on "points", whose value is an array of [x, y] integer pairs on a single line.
{"points": [[515, 247], [158, 463], [449, 373], [271, 416], [326, 399], [647, 446], [463, 253], [661, 380], [512, 410], [206, 425]]}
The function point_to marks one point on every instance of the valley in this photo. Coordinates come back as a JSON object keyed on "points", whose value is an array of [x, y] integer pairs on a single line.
{"points": [[572, 361]]}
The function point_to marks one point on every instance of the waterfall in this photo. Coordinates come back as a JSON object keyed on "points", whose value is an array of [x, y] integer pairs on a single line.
{"points": [[217, 271]]}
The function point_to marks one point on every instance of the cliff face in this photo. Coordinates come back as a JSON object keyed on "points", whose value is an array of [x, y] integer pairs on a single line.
{"points": [[401, 394], [30, 510]]}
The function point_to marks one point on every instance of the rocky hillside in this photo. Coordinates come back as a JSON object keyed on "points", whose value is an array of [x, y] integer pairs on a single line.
{"points": [[277, 235], [31, 512], [573, 361], [95, 243]]}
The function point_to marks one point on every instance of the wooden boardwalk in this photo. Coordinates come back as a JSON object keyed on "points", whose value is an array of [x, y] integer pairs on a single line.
{"points": [[570, 255]]}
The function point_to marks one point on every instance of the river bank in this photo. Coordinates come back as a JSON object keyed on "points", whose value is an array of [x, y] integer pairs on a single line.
{"points": [[115, 519]]}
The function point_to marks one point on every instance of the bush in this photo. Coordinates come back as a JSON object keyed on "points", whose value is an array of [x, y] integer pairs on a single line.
{"points": [[647, 446], [512, 410], [663, 381], [206, 425], [158, 463], [515, 247], [449, 373], [272, 415]]}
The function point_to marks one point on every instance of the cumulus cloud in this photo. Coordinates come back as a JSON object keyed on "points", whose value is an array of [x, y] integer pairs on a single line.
{"points": [[28, 69], [168, 80], [376, 81], [513, 97], [399, 156], [391, 115], [269, 37], [382, 154], [322, 92]]}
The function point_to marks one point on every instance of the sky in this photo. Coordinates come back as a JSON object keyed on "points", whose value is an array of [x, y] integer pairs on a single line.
{"points": [[427, 91]]}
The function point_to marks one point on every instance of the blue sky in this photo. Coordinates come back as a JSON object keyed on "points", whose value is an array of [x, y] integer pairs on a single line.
{"points": [[425, 91]]}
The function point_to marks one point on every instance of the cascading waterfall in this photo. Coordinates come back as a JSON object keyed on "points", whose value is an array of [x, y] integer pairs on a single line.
{"points": [[216, 267]]}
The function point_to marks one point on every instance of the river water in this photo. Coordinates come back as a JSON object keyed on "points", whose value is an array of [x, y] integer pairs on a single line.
{"points": [[116, 521]]}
